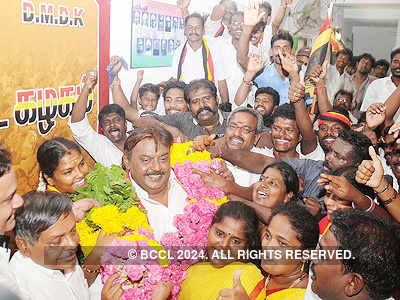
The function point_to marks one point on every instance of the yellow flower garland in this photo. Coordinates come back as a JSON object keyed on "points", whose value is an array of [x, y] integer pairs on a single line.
{"points": [[184, 151]]}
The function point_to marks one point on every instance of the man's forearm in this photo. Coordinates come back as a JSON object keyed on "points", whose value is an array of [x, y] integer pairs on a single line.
{"points": [[240, 191], [276, 23], [223, 91], [323, 101], [250, 161], [120, 99], [243, 48], [79, 110], [135, 94], [392, 104]]}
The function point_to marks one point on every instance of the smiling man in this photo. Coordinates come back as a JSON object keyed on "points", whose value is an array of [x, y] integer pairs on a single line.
{"points": [[105, 149], [147, 157], [373, 271], [45, 266]]}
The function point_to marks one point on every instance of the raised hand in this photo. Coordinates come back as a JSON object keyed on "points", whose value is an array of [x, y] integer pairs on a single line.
{"points": [[182, 4], [395, 130], [118, 66], [251, 14], [139, 75], [318, 74], [288, 62], [375, 115], [297, 90], [237, 292], [256, 63], [213, 180], [91, 79], [370, 172]]}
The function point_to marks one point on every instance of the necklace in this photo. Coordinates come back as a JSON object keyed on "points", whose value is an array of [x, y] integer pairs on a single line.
{"points": [[294, 283]]}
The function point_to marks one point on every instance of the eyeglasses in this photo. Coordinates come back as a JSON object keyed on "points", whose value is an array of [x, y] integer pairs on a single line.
{"points": [[243, 130], [284, 48]]}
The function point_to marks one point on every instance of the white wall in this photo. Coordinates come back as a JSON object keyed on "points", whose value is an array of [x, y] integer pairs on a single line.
{"points": [[379, 41], [121, 38]]}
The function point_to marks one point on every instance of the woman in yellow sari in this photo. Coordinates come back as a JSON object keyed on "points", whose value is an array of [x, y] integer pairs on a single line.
{"points": [[290, 227], [234, 227]]}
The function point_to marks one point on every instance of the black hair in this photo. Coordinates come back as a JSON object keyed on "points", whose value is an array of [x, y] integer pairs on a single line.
{"points": [[196, 84], [240, 211], [173, 84], [149, 87], [259, 26], [270, 91], [194, 15], [40, 211], [251, 111], [267, 7], [368, 56], [289, 177], [354, 61], [285, 111], [382, 62], [360, 144], [109, 109], [363, 117], [5, 161], [51, 152], [344, 92], [374, 244], [301, 221], [282, 35], [238, 13], [345, 51], [394, 53]]}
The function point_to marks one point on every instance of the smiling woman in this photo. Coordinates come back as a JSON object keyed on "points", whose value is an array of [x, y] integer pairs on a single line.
{"points": [[62, 165]]}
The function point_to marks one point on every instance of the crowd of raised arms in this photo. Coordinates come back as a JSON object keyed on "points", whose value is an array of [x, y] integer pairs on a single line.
{"points": [[297, 175]]}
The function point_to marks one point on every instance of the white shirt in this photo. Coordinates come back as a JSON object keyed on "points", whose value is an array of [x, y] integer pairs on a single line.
{"points": [[41, 283], [192, 67], [333, 80], [317, 154], [161, 217], [378, 92], [243, 177], [235, 77], [7, 278], [99, 146], [211, 28]]}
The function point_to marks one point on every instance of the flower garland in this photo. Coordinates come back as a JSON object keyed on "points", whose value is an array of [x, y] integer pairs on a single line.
{"points": [[141, 277]]}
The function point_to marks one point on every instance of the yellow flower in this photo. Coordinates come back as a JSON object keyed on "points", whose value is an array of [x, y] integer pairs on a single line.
{"points": [[135, 218], [219, 202], [87, 236], [109, 218], [181, 152]]}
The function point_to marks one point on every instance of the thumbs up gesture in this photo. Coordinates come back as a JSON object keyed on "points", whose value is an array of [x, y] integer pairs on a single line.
{"points": [[370, 172], [237, 292]]}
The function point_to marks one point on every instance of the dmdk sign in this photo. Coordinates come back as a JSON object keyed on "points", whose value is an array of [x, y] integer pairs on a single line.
{"points": [[46, 47]]}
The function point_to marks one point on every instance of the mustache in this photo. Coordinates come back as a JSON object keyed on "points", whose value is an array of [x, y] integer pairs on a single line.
{"points": [[67, 254], [155, 173], [329, 137], [206, 108], [236, 137]]}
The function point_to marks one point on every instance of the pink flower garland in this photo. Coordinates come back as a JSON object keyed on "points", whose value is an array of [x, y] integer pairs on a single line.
{"points": [[192, 183], [192, 227]]}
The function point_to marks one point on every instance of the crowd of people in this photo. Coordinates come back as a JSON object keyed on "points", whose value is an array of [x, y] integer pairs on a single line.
{"points": [[298, 174]]}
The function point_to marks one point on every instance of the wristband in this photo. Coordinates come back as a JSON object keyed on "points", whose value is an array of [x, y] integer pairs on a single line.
{"points": [[391, 199], [248, 83], [384, 190], [371, 207]]}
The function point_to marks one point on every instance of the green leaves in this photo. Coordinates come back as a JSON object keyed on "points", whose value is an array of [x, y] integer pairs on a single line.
{"points": [[109, 186]]}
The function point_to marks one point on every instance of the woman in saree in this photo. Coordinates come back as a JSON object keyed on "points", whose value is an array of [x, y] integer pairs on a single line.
{"points": [[233, 228]]}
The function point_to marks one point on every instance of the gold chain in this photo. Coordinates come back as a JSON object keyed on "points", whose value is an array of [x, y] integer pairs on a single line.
{"points": [[294, 283]]}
